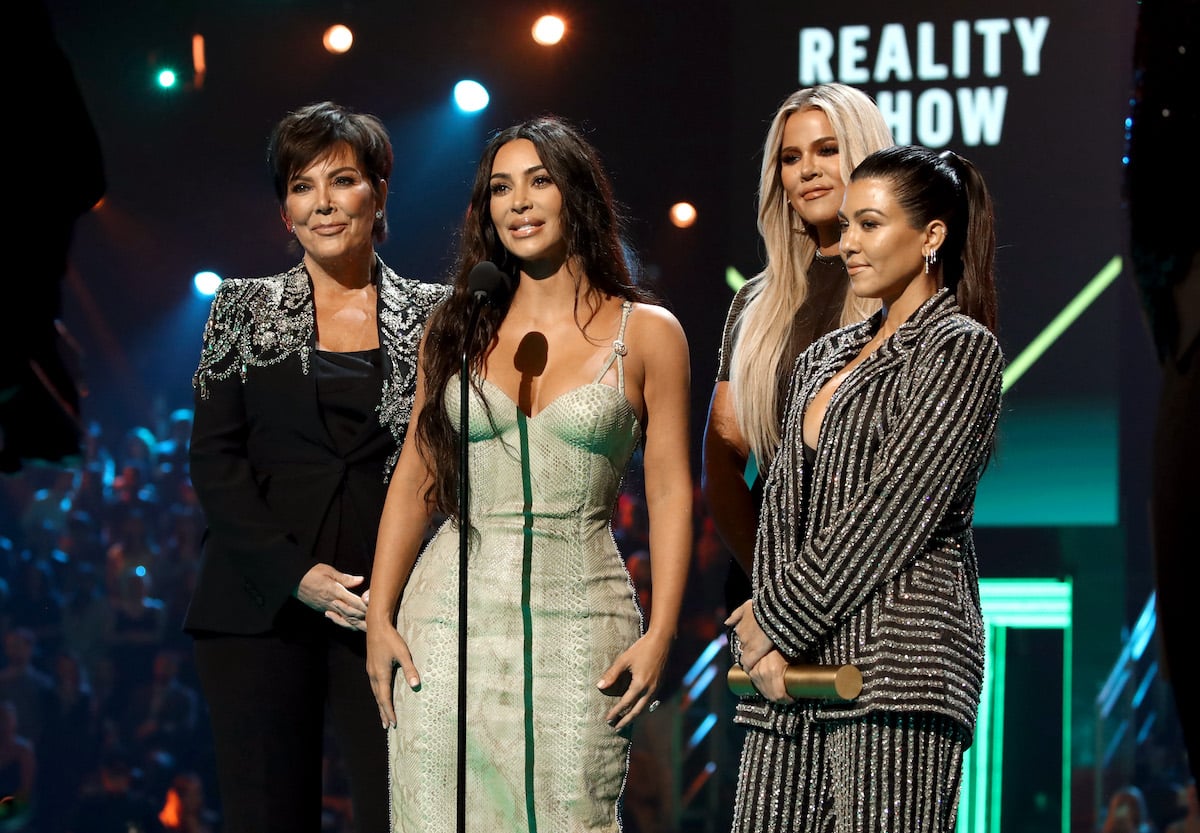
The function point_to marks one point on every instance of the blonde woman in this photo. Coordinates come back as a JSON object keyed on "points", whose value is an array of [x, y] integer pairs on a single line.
{"points": [[816, 138]]}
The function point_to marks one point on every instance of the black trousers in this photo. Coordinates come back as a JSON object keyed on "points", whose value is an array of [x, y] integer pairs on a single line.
{"points": [[268, 696]]}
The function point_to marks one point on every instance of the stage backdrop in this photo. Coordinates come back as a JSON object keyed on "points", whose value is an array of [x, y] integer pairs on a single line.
{"points": [[1036, 95]]}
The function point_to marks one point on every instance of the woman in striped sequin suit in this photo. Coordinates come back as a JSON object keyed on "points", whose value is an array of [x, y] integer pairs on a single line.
{"points": [[864, 551]]}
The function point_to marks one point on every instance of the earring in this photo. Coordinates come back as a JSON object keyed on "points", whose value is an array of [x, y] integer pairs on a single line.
{"points": [[930, 260], [291, 228], [378, 215]]}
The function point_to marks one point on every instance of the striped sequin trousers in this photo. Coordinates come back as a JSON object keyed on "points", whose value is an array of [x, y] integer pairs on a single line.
{"points": [[884, 773]]}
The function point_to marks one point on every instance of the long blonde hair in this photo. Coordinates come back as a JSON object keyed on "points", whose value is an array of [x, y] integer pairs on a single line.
{"points": [[780, 289]]}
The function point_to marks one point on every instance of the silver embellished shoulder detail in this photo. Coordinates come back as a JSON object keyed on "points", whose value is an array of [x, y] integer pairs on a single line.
{"points": [[405, 306], [256, 322]]}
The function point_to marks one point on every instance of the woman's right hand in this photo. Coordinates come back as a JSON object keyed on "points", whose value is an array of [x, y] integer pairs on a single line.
{"points": [[328, 589], [768, 677], [386, 652]]}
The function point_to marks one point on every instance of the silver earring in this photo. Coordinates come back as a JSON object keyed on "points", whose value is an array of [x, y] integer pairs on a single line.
{"points": [[930, 260], [378, 215]]}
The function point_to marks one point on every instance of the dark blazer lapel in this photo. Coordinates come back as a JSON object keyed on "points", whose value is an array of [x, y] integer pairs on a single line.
{"points": [[296, 300]]}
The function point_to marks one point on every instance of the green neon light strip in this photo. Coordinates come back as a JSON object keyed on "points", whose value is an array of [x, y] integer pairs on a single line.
{"points": [[733, 278], [1018, 603], [1017, 367], [996, 764], [1012, 603], [1068, 682]]}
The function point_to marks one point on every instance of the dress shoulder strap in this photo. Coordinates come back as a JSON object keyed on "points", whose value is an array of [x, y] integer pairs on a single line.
{"points": [[619, 351]]}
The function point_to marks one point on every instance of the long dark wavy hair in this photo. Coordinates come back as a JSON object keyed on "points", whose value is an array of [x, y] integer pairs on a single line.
{"points": [[592, 226], [944, 186]]}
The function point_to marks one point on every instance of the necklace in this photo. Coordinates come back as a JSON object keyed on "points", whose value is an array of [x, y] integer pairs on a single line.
{"points": [[828, 258]]}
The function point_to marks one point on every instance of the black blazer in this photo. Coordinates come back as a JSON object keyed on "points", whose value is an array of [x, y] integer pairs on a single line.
{"points": [[262, 462]]}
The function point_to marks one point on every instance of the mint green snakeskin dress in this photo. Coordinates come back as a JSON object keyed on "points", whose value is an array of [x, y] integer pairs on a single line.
{"points": [[550, 606]]}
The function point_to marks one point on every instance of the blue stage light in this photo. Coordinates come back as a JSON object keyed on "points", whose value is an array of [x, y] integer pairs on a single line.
{"points": [[470, 96], [206, 283]]}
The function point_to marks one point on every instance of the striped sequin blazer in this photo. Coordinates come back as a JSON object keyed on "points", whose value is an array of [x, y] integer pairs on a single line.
{"points": [[883, 574]]}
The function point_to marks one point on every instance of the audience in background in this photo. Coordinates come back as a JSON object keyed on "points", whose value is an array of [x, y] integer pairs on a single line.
{"points": [[94, 560], [17, 770], [115, 802], [22, 684]]}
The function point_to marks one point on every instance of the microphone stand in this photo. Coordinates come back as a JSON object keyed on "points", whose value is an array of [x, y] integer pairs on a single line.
{"points": [[463, 528]]}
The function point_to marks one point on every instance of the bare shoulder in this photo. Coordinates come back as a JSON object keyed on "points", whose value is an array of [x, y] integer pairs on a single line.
{"points": [[658, 347], [655, 324]]}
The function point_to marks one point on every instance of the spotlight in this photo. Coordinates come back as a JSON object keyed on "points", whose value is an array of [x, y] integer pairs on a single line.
{"points": [[178, 66], [470, 96], [338, 39], [549, 30], [199, 62], [206, 283], [683, 214]]}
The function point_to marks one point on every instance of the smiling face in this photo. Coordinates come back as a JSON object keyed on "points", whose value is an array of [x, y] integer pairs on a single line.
{"points": [[810, 168], [884, 254], [526, 206], [331, 207]]}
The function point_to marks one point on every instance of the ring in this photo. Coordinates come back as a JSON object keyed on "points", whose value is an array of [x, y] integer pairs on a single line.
{"points": [[653, 705]]}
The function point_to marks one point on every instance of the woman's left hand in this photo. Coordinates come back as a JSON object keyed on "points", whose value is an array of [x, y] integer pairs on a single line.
{"points": [[633, 678], [755, 644]]}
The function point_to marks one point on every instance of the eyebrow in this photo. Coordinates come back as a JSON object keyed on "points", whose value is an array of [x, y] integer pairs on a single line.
{"points": [[868, 210], [334, 172], [819, 141], [527, 171]]}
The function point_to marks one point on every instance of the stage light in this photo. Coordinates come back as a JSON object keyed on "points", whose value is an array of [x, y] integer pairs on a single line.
{"points": [[176, 67], [683, 215], [549, 29], [470, 96], [199, 62], [338, 39], [206, 283]]}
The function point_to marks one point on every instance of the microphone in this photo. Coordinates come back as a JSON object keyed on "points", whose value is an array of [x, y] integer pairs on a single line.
{"points": [[484, 279], [483, 282]]}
